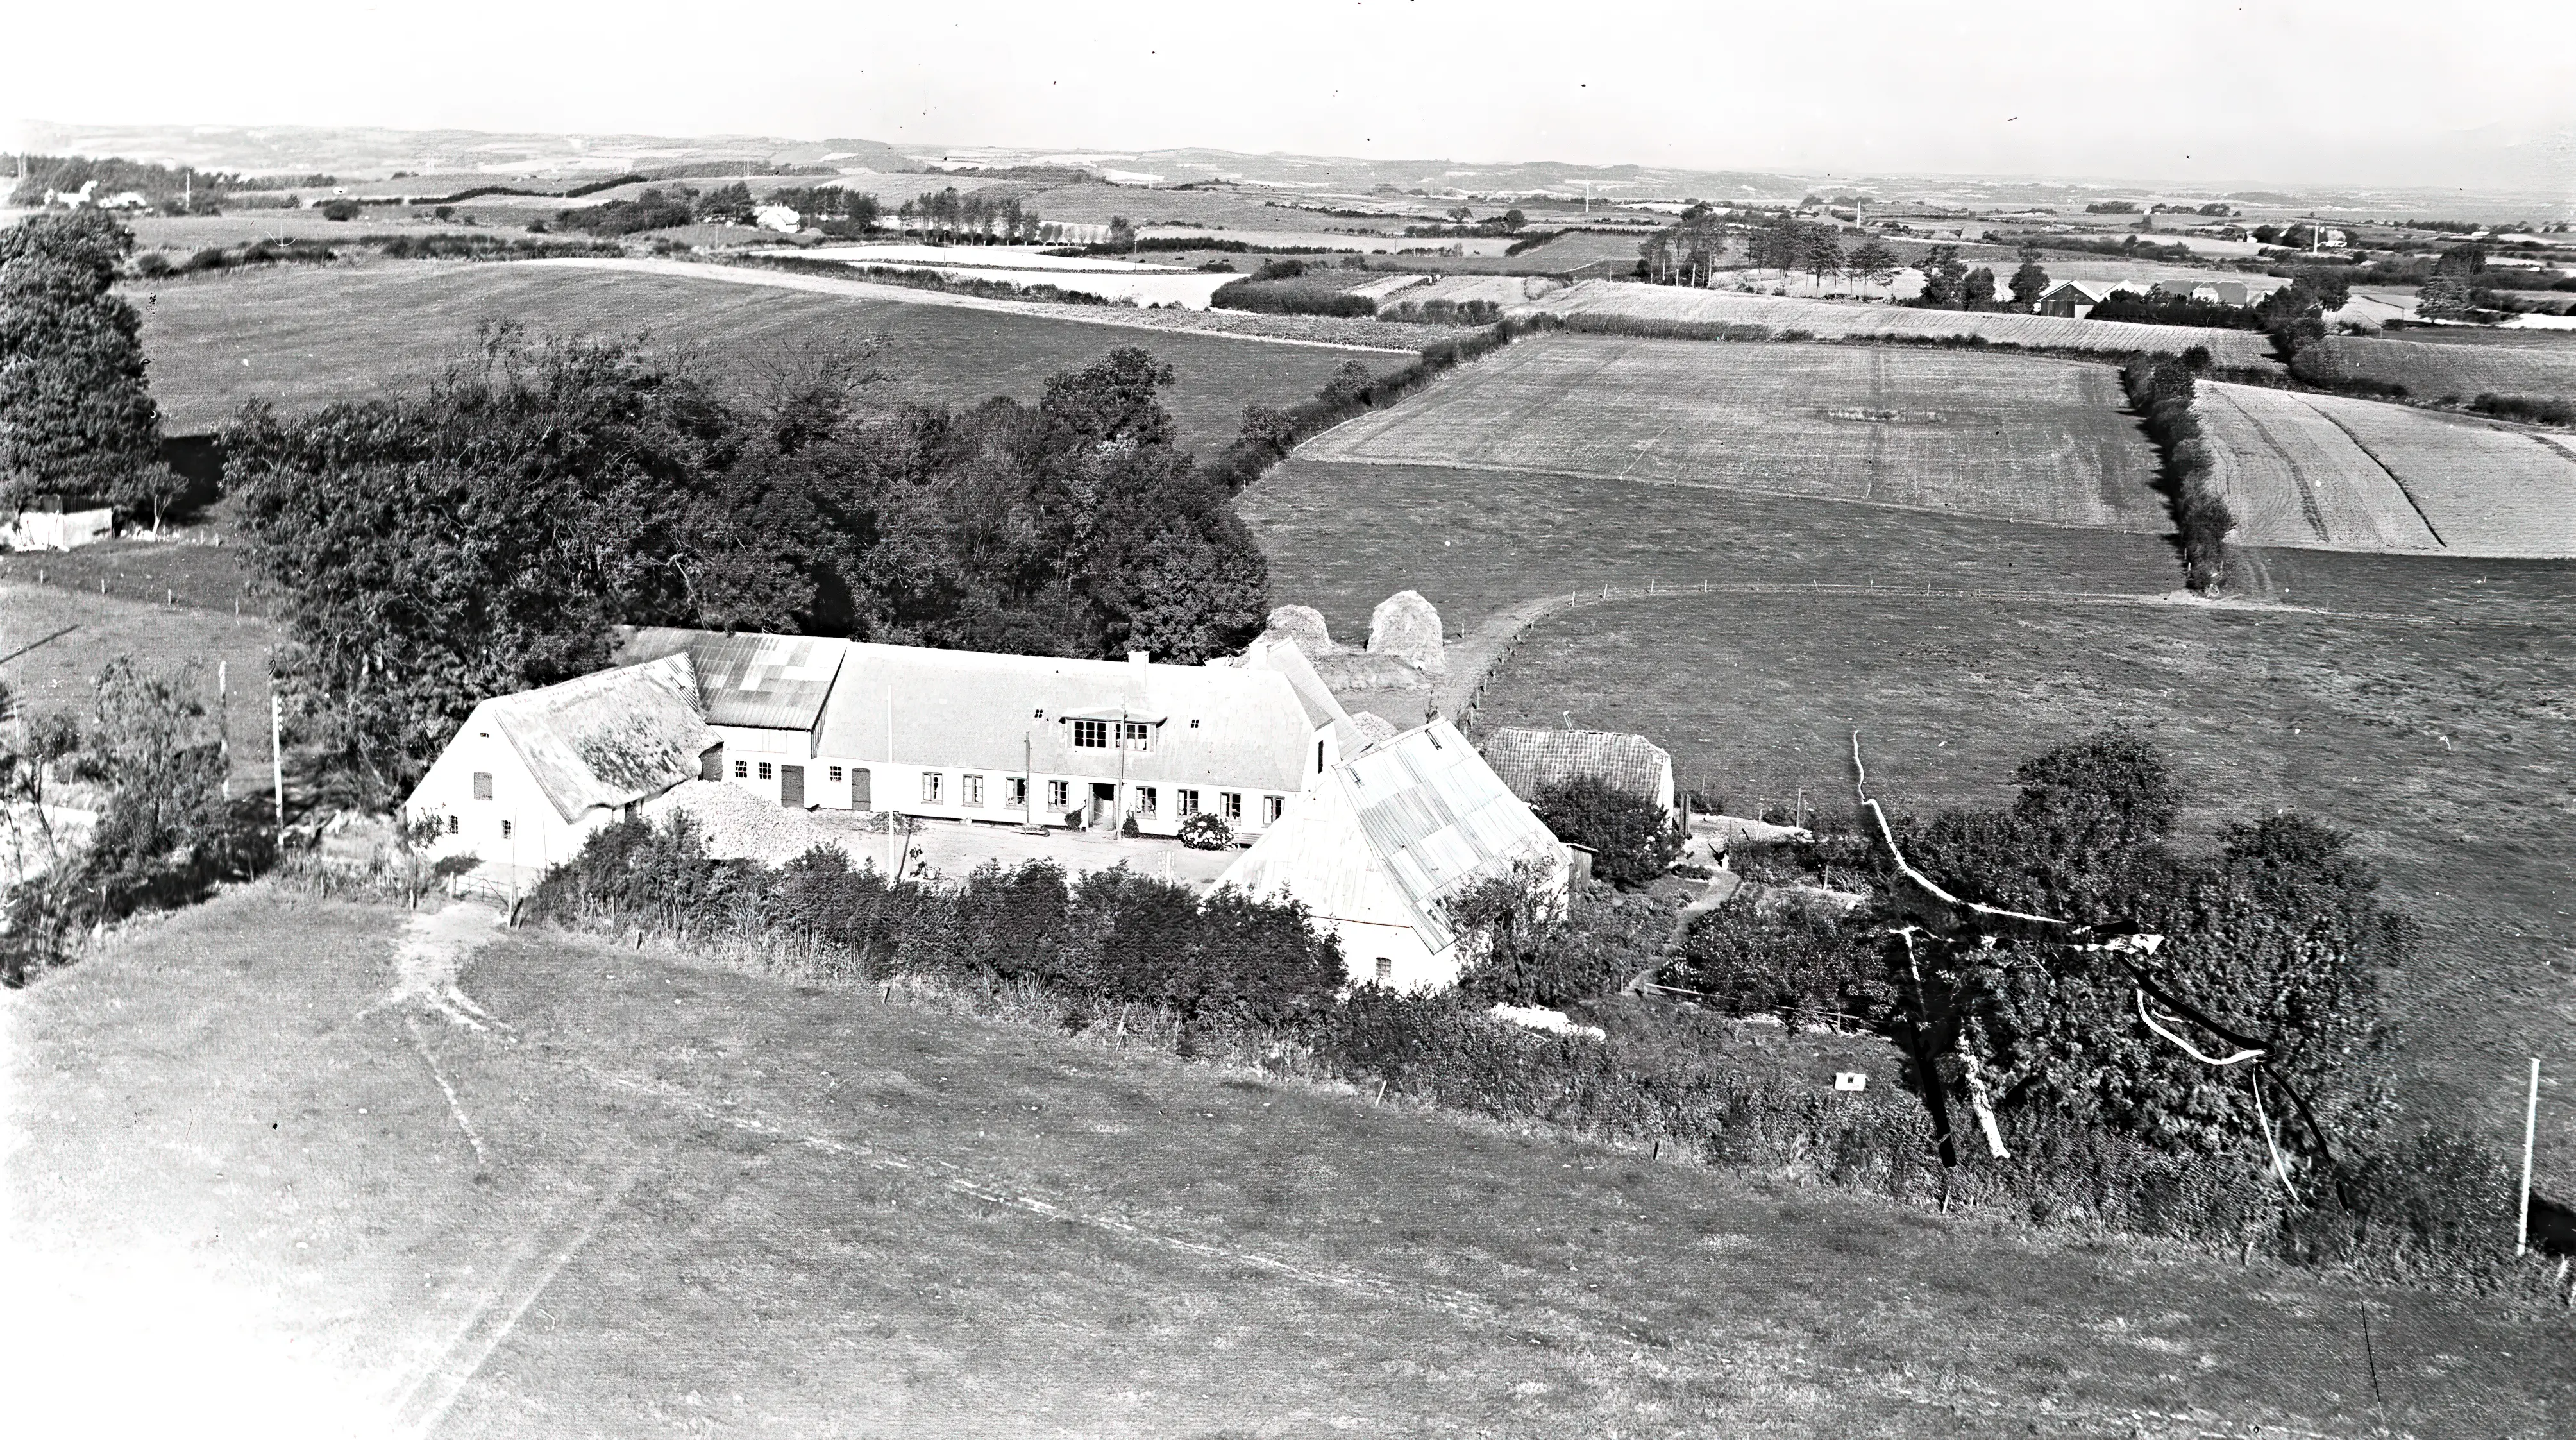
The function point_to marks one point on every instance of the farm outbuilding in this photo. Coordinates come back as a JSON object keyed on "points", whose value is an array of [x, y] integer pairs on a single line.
{"points": [[1530, 761], [2076, 298], [1386, 839]]}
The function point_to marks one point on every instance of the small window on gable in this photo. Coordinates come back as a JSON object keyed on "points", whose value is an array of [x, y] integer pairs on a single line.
{"points": [[482, 784], [1385, 969], [455, 824], [836, 773], [506, 828], [1194, 724], [764, 769], [742, 769]]}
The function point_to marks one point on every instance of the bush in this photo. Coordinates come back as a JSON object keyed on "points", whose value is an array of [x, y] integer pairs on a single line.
{"points": [[1444, 312], [342, 209], [1632, 838], [1275, 297], [2536, 409], [1206, 830], [1528, 952]]}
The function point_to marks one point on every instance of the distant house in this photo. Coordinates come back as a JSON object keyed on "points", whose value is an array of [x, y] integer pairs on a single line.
{"points": [[1058, 232], [530, 777], [1387, 839], [2221, 292], [781, 218], [2077, 298], [1529, 761], [48, 524]]}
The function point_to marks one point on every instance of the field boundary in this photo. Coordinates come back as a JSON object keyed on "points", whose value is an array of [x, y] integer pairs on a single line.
{"points": [[1111, 316]]}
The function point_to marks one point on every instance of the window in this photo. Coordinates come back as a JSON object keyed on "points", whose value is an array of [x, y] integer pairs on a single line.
{"points": [[1385, 969], [1140, 735], [1144, 799], [764, 769], [1015, 791], [505, 829], [970, 790], [1189, 802], [1059, 793], [482, 784], [1090, 734], [1233, 805], [1319, 757], [836, 772], [930, 787], [1271, 808], [1194, 724], [455, 823], [742, 769]]}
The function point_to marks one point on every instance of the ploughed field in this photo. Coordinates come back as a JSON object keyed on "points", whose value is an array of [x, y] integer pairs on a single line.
{"points": [[2011, 436], [2325, 470], [643, 1196], [302, 338], [1827, 320], [2448, 743], [2431, 370]]}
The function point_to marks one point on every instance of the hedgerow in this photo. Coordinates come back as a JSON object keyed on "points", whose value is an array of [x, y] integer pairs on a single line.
{"points": [[2161, 389]]}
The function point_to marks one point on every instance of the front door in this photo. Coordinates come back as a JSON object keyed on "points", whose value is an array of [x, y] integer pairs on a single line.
{"points": [[791, 785], [1104, 803], [860, 799]]}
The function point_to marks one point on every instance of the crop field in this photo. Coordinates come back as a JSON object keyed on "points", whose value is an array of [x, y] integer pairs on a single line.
{"points": [[2016, 437], [1828, 321], [305, 338], [1106, 278], [2449, 747], [2326, 470], [2433, 370], [656, 1196]]}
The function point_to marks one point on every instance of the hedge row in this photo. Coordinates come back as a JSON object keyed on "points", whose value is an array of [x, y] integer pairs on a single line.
{"points": [[154, 265], [1286, 297], [2161, 389], [444, 246]]}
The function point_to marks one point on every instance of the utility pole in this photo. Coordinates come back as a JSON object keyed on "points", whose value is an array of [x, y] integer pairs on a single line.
{"points": [[277, 760], [224, 727], [2530, 1124]]}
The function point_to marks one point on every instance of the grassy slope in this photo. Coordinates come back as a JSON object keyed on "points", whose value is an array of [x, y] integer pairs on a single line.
{"points": [[1756, 696], [2431, 370], [57, 674], [2005, 435], [791, 1211], [354, 332]]}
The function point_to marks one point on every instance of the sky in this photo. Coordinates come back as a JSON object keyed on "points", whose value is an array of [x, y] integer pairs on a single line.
{"points": [[2185, 92]]}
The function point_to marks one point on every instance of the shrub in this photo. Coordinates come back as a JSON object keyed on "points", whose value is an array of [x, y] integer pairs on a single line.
{"points": [[1274, 297], [2537, 409], [1206, 830], [1528, 951], [1444, 312], [1632, 838], [342, 209]]}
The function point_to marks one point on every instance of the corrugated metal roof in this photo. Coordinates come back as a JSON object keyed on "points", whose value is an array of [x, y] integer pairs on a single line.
{"points": [[1529, 761], [768, 682], [607, 739]]}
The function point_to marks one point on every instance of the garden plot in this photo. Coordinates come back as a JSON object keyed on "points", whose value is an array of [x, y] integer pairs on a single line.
{"points": [[1614, 300], [2336, 473], [2014, 437]]}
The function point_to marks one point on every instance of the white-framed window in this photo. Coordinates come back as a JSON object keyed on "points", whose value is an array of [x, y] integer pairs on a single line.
{"points": [[970, 789], [742, 769], [1189, 802], [764, 770], [1145, 799], [1015, 791], [1232, 803], [1090, 734], [1140, 735], [455, 824], [1272, 807], [482, 784], [506, 828], [930, 787], [1385, 969], [1059, 793], [836, 774]]}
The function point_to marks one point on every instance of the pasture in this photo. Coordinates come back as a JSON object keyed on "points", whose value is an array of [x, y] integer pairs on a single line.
{"points": [[2431, 370], [2010, 436], [653, 1195], [2449, 747], [1827, 321], [1013, 265], [68, 635], [306, 338], [2327, 470]]}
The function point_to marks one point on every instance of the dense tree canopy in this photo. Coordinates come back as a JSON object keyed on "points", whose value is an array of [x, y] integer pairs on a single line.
{"points": [[75, 415]]}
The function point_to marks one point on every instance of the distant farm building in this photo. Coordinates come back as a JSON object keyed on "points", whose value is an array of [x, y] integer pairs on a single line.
{"points": [[48, 524], [1530, 761], [2077, 298], [781, 218], [1387, 838]]}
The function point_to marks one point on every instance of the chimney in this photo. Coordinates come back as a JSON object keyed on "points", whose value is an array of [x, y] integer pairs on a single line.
{"points": [[1140, 657]]}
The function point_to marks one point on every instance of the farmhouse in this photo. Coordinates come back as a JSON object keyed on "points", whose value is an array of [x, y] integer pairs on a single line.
{"points": [[811, 722], [2077, 298], [47, 525], [1387, 838], [1529, 761]]}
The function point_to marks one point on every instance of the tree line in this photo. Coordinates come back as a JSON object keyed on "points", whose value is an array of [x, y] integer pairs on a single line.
{"points": [[77, 419], [947, 218]]}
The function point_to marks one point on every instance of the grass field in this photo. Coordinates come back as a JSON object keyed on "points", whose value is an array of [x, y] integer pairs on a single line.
{"points": [[304, 338], [76, 632], [2004, 435], [2450, 747], [1828, 321], [2365, 474], [1343, 537], [2431, 371], [698, 1202]]}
